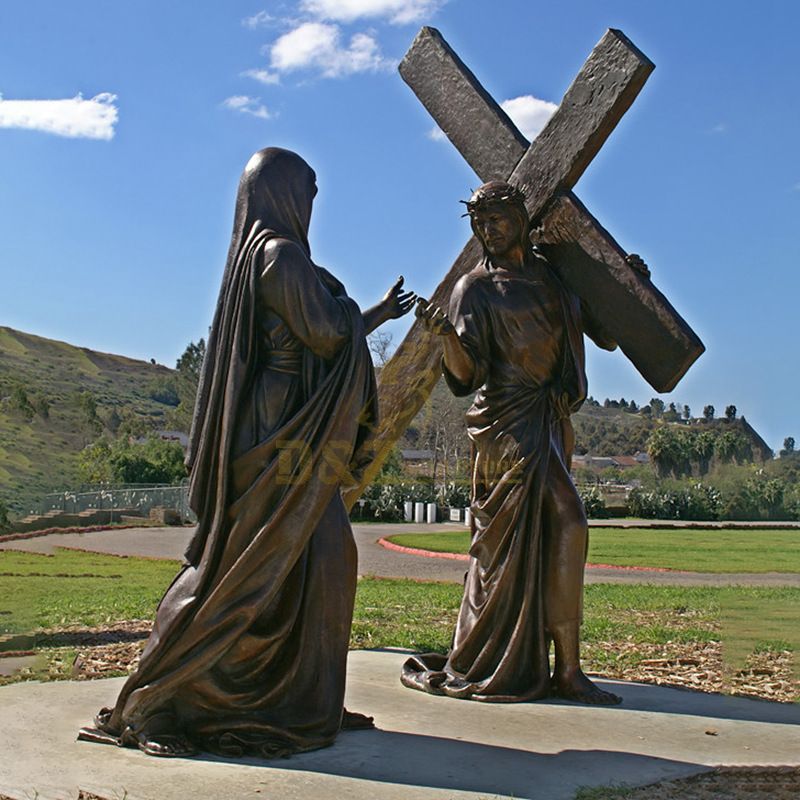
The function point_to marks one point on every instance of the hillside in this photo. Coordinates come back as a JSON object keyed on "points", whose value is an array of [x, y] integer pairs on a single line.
{"points": [[599, 430], [54, 399]]}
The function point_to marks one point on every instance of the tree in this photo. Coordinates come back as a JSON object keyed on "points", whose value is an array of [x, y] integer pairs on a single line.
{"points": [[671, 414], [703, 446], [708, 413], [656, 407], [18, 402], [187, 377], [442, 430], [788, 446], [732, 446], [86, 405], [191, 360], [662, 447], [380, 345], [152, 461], [3, 515], [730, 413], [687, 412]]}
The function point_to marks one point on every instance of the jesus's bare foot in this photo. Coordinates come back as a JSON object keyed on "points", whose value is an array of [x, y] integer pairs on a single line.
{"points": [[577, 687], [353, 721]]}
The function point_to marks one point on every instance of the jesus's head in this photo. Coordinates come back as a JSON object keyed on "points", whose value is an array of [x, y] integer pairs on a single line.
{"points": [[499, 220]]}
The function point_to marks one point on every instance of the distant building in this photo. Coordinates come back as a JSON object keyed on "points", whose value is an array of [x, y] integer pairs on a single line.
{"points": [[417, 456], [168, 436]]}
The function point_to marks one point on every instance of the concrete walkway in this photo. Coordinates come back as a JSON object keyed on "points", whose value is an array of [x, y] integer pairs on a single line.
{"points": [[372, 558], [425, 748]]}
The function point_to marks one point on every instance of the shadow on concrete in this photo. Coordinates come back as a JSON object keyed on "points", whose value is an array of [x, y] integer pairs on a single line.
{"points": [[668, 700], [452, 764]]}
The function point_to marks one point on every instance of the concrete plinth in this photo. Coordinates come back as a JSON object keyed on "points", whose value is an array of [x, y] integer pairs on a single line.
{"points": [[426, 748]]}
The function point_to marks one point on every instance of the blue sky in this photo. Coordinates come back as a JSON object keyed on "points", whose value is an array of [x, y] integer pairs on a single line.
{"points": [[115, 210]]}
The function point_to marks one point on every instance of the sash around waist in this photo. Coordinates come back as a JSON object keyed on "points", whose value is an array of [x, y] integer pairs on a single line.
{"points": [[285, 360]]}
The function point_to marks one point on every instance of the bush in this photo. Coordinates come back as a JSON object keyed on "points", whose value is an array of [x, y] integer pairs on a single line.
{"points": [[165, 390], [697, 501], [593, 503], [152, 461], [455, 494], [4, 521], [382, 502]]}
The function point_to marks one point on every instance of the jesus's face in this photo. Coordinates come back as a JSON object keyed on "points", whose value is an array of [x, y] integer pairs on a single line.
{"points": [[498, 227]]}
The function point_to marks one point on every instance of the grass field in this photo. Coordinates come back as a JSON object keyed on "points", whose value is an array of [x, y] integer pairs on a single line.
{"points": [[623, 624], [699, 550]]}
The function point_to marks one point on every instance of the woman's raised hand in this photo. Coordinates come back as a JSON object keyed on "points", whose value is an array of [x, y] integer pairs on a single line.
{"points": [[396, 303]]}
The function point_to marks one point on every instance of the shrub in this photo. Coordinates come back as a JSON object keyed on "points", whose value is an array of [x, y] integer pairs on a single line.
{"points": [[697, 501], [455, 494], [593, 502]]}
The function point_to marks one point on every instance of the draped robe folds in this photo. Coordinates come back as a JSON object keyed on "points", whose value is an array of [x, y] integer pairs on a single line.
{"points": [[249, 646], [524, 333]]}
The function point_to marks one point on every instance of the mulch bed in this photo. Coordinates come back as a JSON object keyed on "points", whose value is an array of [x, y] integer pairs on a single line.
{"points": [[699, 666], [114, 649], [723, 783]]}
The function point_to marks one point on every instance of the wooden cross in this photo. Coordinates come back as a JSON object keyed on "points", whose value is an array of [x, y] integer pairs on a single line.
{"points": [[659, 343]]}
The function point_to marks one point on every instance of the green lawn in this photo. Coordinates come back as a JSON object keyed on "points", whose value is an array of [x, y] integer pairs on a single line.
{"points": [[75, 588], [700, 550]]}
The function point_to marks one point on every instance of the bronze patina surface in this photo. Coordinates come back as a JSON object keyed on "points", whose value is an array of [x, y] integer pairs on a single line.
{"points": [[514, 335], [249, 645]]}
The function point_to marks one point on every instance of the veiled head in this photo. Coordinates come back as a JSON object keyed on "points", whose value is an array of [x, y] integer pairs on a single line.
{"points": [[277, 188]]}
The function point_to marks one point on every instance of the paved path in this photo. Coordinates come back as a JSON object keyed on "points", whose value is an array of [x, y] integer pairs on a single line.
{"points": [[374, 559], [425, 748]]}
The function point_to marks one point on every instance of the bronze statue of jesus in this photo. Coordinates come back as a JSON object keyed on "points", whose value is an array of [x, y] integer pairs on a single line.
{"points": [[514, 334]]}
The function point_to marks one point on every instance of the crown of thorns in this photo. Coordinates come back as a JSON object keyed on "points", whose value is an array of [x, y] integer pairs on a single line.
{"points": [[507, 193]]}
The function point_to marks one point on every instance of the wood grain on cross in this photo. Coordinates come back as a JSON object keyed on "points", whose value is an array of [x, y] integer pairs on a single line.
{"points": [[648, 329]]}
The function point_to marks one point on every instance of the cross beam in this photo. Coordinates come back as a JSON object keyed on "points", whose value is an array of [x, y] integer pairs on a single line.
{"points": [[650, 332]]}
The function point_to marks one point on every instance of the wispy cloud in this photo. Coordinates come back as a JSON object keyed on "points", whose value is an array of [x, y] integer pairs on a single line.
{"points": [[796, 187], [74, 118], [528, 113], [720, 127], [398, 12], [317, 45], [245, 104], [262, 19], [315, 40], [262, 76]]}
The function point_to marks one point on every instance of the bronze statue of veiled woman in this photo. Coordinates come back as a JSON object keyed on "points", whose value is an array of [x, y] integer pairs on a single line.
{"points": [[249, 646]]}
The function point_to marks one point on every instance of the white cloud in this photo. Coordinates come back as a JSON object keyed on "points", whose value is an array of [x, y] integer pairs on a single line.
{"points": [[529, 114], [399, 12], [260, 20], [317, 45], [245, 104], [74, 118], [721, 127], [262, 76], [796, 187]]}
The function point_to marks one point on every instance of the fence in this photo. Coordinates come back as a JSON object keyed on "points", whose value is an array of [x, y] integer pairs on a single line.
{"points": [[131, 497]]}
